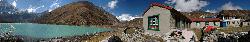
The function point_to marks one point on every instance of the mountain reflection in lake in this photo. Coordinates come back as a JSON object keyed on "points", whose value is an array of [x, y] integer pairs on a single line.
{"points": [[32, 30]]}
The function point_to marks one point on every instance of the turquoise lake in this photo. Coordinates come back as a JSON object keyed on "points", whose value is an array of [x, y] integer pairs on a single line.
{"points": [[49, 30]]}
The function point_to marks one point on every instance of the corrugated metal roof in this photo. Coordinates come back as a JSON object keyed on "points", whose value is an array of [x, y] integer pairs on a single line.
{"points": [[205, 19]]}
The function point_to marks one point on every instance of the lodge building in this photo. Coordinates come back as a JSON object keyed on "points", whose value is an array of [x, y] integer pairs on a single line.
{"points": [[159, 19]]}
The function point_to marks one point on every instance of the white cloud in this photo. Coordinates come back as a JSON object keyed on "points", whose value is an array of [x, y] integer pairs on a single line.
{"points": [[33, 9], [112, 4], [188, 5], [230, 6], [170, 1], [40, 7], [126, 17], [54, 5]]}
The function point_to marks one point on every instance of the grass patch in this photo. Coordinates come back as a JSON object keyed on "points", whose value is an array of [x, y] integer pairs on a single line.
{"points": [[197, 32]]}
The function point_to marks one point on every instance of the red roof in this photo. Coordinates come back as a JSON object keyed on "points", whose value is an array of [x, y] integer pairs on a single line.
{"points": [[205, 19], [161, 5]]}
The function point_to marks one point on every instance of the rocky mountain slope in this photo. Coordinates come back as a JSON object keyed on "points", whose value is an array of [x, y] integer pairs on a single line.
{"points": [[78, 13], [137, 22], [18, 18]]}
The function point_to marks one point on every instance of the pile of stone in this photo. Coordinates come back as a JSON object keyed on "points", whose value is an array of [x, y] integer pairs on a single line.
{"points": [[11, 39], [7, 36], [231, 37], [114, 39], [137, 36], [210, 38], [176, 36]]}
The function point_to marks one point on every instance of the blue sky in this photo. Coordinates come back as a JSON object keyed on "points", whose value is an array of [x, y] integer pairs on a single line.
{"points": [[137, 7]]}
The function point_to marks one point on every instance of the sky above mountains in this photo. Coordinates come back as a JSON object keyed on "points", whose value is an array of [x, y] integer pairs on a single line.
{"points": [[135, 7]]}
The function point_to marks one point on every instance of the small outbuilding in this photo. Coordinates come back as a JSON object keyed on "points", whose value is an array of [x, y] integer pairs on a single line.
{"points": [[246, 23], [201, 22]]}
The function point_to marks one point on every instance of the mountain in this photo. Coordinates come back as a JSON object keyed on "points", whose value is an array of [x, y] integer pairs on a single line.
{"points": [[9, 14], [126, 17], [78, 13], [6, 8], [18, 17]]}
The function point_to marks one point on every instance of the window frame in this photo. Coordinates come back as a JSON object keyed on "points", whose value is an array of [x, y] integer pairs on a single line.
{"points": [[215, 24], [154, 23]]}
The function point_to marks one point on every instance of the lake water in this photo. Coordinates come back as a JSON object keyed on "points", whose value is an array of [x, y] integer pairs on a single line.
{"points": [[49, 31]]}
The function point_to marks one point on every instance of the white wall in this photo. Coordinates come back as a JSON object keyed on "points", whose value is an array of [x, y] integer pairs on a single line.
{"points": [[202, 24]]}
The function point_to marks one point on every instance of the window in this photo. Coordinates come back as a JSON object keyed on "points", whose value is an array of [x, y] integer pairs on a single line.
{"points": [[206, 23], [248, 23], [238, 22], [153, 22], [197, 23], [215, 24], [233, 22]]}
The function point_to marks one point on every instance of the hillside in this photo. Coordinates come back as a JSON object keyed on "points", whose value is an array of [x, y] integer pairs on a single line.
{"points": [[78, 13]]}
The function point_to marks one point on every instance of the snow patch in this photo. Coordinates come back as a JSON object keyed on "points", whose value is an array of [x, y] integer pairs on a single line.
{"points": [[211, 11], [14, 3]]}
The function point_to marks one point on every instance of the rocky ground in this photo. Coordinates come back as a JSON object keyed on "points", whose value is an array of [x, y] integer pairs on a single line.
{"points": [[125, 32], [230, 34]]}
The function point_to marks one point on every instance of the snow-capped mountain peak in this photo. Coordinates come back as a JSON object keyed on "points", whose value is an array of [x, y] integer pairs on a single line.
{"points": [[126, 17], [14, 3]]}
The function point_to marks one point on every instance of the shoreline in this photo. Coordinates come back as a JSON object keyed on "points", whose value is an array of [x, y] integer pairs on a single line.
{"points": [[75, 38]]}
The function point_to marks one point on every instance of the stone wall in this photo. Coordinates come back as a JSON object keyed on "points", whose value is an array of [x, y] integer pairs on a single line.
{"points": [[164, 22]]}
